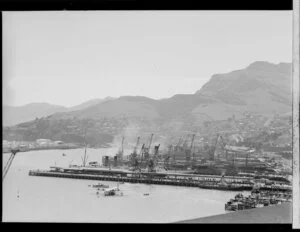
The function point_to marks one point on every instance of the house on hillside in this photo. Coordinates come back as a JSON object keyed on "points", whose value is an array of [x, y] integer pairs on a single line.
{"points": [[58, 142]]}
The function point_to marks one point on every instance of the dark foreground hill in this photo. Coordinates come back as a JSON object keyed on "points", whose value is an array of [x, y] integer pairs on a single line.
{"points": [[277, 214]]}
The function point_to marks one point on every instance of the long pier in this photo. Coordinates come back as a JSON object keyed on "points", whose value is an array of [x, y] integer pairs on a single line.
{"points": [[147, 180]]}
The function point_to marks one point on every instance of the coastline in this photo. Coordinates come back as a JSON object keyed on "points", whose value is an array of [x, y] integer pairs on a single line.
{"points": [[67, 147]]}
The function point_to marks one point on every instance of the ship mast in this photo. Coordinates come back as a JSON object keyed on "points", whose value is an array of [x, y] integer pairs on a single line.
{"points": [[189, 152], [121, 151], [150, 143], [84, 159]]}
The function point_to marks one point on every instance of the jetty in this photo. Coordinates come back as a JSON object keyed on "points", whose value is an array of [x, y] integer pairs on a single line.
{"points": [[175, 179]]}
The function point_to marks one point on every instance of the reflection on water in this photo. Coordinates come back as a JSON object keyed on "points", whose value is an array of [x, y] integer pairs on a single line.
{"points": [[36, 199]]}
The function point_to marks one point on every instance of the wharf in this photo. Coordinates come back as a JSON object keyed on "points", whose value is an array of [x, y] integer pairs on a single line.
{"points": [[187, 182], [111, 178]]}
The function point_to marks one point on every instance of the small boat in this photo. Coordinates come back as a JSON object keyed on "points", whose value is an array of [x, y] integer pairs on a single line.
{"points": [[100, 186], [259, 205], [110, 193], [146, 194], [266, 203], [231, 206], [63, 154]]}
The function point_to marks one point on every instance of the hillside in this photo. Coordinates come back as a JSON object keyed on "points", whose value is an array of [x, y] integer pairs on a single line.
{"points": [[89, 103], [13, 115], [261, 88], [17, 114]]}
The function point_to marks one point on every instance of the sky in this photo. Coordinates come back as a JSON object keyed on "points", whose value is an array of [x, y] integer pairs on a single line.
{"points": [[66, 58]]}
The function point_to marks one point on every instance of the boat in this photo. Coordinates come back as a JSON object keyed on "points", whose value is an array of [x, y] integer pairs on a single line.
{"points": [[259, 205], [100, 186], [63, 154], [266, 203], [239, 197], [146, 194], [110, 192], [231, 205]]}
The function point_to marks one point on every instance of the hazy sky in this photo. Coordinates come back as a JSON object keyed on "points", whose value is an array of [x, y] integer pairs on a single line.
{"points": [[67, 58]]}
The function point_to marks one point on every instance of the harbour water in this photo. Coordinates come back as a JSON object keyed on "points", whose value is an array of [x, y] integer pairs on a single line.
{"points": [[43, 199]]}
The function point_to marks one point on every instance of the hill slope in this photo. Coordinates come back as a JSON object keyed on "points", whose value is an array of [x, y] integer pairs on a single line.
{"points": [[261, 88], [14, 115], [89, 103]]}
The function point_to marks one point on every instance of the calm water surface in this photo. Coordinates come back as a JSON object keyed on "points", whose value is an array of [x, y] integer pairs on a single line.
{"points": [[44, 199]]}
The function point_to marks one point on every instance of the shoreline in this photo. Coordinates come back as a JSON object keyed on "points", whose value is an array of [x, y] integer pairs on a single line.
{"points": [[5, 151]]}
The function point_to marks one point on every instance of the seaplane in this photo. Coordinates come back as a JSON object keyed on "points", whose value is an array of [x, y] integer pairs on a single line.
{"points": [[111, 191]]}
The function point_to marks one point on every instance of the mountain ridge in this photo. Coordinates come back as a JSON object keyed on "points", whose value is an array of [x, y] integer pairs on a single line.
{"points": [[261, 87]]}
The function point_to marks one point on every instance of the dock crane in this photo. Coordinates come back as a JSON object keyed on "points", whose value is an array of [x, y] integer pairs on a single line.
{"points": [[150, 142], [189, 151], [136, 146], [142, 152], [121, 151], [9, 162], [214, 150], [194, 155], [192, 149], [216, 146], [156, 156], [167, 157], [178, 144], [134, 153], [146, 150], [184, 145], [223, 146], [156, 149]]}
